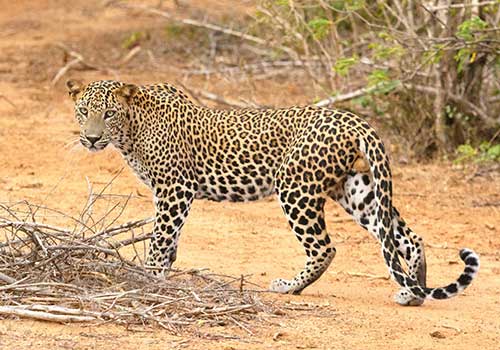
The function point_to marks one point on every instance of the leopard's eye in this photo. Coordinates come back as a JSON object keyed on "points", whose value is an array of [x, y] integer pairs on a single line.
{"points": [[109, 113], [83, 111]]}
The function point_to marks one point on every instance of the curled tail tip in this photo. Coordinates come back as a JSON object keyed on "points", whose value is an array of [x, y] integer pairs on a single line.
{"points": [[470, 258]]}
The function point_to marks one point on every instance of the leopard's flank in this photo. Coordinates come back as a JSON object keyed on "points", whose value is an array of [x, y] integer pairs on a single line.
{"points": [[303, 154]]}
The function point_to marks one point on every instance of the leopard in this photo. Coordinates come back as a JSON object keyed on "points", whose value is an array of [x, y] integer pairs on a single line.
{"points": [[305, 155]]}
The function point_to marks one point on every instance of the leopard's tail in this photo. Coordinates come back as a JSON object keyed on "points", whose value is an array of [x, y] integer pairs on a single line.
{"points": [[372, 148]]}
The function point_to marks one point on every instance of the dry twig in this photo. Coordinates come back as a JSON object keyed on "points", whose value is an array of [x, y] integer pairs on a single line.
{"points": [[3, 97]]}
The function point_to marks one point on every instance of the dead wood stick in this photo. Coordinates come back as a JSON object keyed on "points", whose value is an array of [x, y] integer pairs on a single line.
{"points": [[369, 275], [131, 54], [8, 101], [113, 231], [61, 72], [345, 97], [219, 310], [129, 241], [241, 325], [82, 247], [70, 311], [24, 311], [33, 225], [7, 279], [38, 286]]}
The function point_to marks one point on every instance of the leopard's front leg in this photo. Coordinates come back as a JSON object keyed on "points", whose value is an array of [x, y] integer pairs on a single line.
{"points": [[172, 204]]}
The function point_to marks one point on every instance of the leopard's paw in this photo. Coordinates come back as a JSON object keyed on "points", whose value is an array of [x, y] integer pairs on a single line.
{"points": [[406, 298], [280, 285]]}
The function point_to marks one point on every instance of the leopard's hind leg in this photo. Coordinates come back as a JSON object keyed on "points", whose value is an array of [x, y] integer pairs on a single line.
{"points": [[302, 197], [356, 196]]}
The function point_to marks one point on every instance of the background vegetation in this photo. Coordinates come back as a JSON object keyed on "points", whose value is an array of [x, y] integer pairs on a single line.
{"points": [[428, 69]]}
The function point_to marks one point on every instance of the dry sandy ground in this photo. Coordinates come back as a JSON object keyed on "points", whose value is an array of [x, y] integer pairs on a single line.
{"points": [[449, 208]]}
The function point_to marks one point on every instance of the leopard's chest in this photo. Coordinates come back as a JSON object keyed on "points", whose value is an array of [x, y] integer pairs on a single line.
{"points": [[139, 169]]}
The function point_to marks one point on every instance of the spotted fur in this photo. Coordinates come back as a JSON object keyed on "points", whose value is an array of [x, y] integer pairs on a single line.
{"points": [[303, 154]]}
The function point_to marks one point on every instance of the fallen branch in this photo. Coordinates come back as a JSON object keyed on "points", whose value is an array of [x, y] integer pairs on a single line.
{"points": [[24, 311]]}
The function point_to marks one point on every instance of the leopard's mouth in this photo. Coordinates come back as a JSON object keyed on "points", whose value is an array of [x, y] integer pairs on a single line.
{"points": [[94, 147]]}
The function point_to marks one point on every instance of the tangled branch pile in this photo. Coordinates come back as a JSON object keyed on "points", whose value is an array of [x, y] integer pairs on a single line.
{"points": [[81, 274]]}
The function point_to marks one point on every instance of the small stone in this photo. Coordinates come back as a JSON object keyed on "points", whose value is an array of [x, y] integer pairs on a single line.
{"points": [[438, 335], [277, 336]]}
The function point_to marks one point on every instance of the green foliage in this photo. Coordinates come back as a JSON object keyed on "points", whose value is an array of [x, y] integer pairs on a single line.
{"points": [[347, 5], [386, 87], [387, 48], [377, 77], [463, 57], [452, 112], [467, 29], [174, 30], [178, 34], [343, 65], [354, 5], [364, 101], [434, 55], [320, 27], [380, 80], [486, 152], [133, 40], [383, 52], [282, 2]]}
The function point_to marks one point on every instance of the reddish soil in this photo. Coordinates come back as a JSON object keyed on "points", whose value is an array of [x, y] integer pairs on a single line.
{"points": [[448, 206]]}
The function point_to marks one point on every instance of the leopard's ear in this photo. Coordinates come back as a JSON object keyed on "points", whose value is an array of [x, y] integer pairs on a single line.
{"points": [[75, 87], [126, 93]]}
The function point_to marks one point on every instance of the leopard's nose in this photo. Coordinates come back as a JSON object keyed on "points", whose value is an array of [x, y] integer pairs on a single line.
{"points": [[93, 139]]}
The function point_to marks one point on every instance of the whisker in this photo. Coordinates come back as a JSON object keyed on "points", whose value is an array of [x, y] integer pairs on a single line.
{"points": [[76, 147], [71, 143]]}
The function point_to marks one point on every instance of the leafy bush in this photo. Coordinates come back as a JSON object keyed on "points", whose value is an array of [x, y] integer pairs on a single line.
{"points": [[484, 153], [431, 69]]}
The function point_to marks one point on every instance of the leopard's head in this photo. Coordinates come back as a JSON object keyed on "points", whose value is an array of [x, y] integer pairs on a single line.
{"points": [[102, 108]]}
